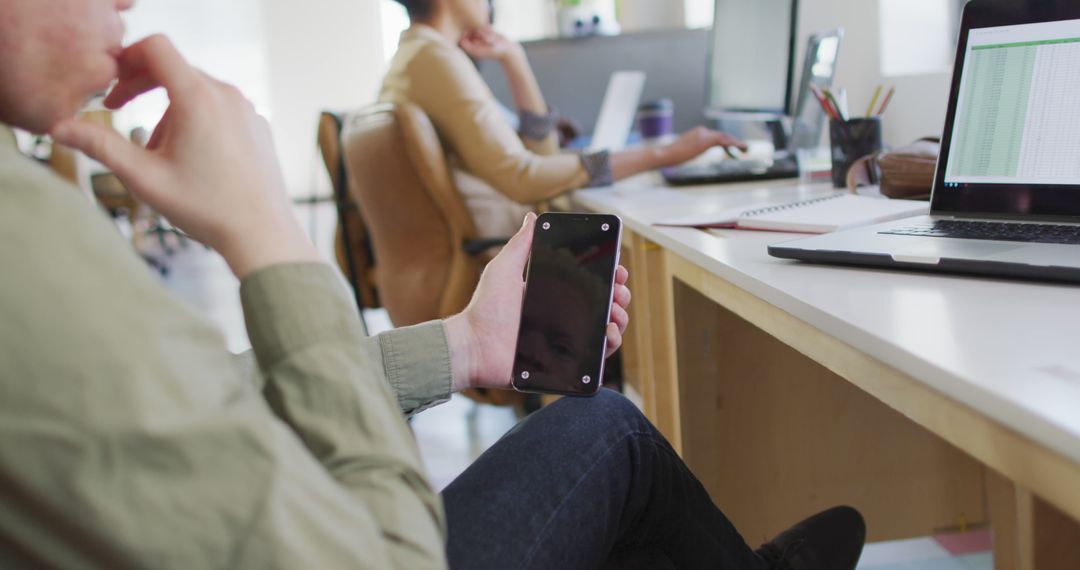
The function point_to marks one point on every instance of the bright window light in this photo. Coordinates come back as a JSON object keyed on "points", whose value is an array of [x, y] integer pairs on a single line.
{"points": [[917, 36], [700, 13], [225, 39], [394, 21]]}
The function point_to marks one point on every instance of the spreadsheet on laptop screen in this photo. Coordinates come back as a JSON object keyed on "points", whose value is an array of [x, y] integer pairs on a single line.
{"points": [[1018, 113]]}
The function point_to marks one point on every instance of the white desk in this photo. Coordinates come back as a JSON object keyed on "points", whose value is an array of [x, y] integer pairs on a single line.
{"points": [[928, 401]]}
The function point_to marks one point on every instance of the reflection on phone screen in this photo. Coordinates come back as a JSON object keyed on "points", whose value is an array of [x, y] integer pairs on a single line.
{"points": [[564, 320]]}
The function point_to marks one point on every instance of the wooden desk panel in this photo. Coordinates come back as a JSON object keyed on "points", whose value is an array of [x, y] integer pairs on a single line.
{"points": [[939, 402], [779, 420], [776, 436]]}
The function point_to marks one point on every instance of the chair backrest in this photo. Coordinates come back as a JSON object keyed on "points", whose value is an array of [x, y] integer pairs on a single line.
{"points": [[352, 244], [414, 213]]}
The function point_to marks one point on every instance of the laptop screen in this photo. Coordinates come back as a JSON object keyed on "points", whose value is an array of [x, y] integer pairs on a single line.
{"points": [[1012, 139]]}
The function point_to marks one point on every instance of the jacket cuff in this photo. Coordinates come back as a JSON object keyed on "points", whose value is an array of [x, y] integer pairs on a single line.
{"points": [[417, 364], [537, 127], [598, 166]]}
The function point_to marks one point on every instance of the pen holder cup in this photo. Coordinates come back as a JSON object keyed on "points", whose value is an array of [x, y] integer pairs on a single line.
{"points": [[850, 141]]}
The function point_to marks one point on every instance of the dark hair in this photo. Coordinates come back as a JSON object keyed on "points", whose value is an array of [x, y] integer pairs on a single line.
{"points": [[417, 9]]}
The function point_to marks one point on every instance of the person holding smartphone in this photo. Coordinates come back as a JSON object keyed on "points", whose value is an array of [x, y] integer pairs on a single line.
{"points": [[500, 173], [130, 436]]}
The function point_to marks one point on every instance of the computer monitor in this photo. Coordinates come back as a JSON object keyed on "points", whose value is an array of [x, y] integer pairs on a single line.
{"points": [[751, 59], [819, 69]]}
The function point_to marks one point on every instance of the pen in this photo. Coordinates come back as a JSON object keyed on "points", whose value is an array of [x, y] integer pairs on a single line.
{"points": [[832, 100], [873, 101], [888, 99], [823, 102]]}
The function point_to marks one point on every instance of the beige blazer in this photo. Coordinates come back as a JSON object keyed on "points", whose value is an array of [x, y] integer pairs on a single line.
{"points": [[500, 175]]}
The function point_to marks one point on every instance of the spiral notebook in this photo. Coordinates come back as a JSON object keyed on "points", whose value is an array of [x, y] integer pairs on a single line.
{"points": [[812, 216]]}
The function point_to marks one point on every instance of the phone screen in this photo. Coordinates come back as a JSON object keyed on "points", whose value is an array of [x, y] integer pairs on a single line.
{"points": [[568, 293]]}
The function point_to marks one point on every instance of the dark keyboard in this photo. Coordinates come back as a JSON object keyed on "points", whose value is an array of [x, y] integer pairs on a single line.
{"points": [[998, 231], [731, 171]]}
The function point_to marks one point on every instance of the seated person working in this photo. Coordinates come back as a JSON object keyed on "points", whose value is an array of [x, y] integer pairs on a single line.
{"points": [[500, 173], [130, 437]]}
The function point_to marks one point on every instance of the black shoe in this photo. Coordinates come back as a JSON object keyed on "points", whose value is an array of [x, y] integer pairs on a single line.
{"points": [[829, 540]]}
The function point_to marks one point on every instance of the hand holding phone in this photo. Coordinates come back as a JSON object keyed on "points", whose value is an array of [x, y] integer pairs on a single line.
{"points": [[569, 286]]}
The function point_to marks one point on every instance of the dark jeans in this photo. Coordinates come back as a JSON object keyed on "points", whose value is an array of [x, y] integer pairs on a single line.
{"points": [[587, 483]]}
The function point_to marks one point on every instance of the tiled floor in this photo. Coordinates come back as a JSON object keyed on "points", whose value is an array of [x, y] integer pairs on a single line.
{"points": [[451, 436], [927, 554]]}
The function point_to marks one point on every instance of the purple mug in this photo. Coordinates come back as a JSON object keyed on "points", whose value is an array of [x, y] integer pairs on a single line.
{"points": [[656, 119]]}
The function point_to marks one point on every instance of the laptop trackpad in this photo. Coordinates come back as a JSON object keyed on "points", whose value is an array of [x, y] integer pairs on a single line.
{"points": [[931, 251]]}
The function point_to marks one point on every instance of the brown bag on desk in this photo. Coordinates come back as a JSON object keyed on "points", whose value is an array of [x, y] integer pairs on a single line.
{"points": [[906, 172]]}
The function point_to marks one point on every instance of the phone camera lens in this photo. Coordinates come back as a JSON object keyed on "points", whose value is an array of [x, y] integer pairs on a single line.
{"points": [[525, 375], [605, 227], [547, 225], [586, 379]]}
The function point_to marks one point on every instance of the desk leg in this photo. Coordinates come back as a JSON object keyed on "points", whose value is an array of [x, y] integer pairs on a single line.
{"points": [[636, 351], [1028, 533], [649, 344], [664, 347], [775, 436]]}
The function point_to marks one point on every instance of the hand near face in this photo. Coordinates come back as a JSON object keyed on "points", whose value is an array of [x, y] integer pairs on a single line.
{"points": [[486, 43], [209, 167], [483, 337]]}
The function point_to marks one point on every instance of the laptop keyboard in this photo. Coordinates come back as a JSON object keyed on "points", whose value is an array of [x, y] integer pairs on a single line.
{"points": [[998, 231]]}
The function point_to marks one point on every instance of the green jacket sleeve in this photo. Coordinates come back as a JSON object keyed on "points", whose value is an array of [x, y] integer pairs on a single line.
{"points": [[130, 437], [304, 332], [415, 361]]}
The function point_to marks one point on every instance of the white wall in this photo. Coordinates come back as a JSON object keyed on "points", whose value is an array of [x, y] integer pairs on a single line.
{"points": [[322, 55], [292, 59], [651, 14], [917, 110], [525, 19], [297, 58], [224, 38]]}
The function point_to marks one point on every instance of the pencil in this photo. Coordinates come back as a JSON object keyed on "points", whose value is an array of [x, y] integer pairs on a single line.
{"points": [[823, 102], [873, 101], [888, 99], [835, 104]]}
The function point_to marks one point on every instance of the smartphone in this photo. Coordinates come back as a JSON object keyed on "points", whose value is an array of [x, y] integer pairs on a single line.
{"points": [[569, 288]]}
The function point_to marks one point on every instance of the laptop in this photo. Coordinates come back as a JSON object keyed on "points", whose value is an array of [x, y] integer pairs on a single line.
{"points": [[617, 112], [1006, 194], [819, 67]]}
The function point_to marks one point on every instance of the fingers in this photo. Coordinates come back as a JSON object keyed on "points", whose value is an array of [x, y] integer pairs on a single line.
{"points": [[622, 275], [622, 296], [148, 64], [620, 317], [725, 140], [515, 253], [522, 240], [474, 38], [614, 339], [105, 145], [160, 131], [128, 89], [709, 138]]}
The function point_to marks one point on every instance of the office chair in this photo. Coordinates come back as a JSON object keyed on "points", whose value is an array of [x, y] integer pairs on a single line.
{"points": [[352, 245], [423, 240]]}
